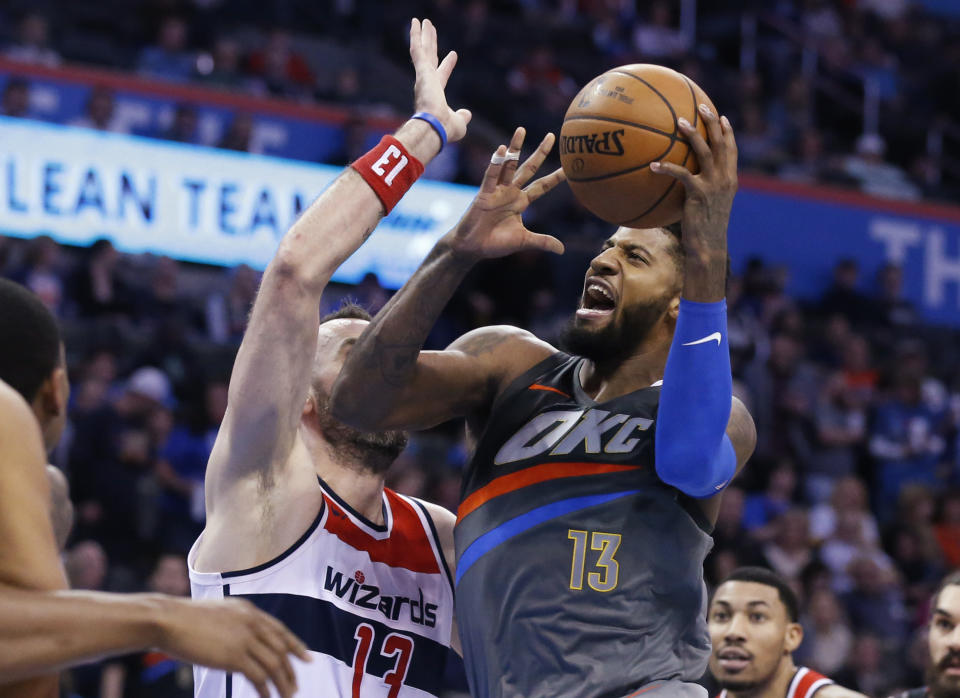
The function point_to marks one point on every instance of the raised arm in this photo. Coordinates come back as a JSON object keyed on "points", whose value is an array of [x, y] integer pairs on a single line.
{"points": [[387, 382], [271, 375], [694, 452]]}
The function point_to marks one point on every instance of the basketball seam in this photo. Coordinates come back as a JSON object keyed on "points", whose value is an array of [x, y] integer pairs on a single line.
{"points": [[642, 127], [666, 193], [659, 94]]}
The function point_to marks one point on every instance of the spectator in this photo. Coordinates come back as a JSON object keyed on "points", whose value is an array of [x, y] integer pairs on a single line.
{"points": [[894, 311], [807, 164], [904, 441], [876, 176], [223, 68], [15, 100], [100, 112], [789, 551], [844, 297], [183, 129], [98, 289], [33, 43], [947, 528], [284, 71], [153, 674], [169, 58], [841, 427], [827, 640], [42, 272], [867, 670], [239, 134], [656, 38], [874, 603], [848, 497], [226, 314], [850, 543], [760, 510]]}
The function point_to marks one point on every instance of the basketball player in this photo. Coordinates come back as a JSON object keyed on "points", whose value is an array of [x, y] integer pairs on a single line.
{"points": [[754, 631], [580, 539], [298, 520], [43, 627], [943, 640]]}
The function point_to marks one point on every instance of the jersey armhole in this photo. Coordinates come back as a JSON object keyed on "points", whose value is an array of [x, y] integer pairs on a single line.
{"points": [[437, 544]]}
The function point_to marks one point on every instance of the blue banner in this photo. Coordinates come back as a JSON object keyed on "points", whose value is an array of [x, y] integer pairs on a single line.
{"points": [[808, 230], [193, 203]]}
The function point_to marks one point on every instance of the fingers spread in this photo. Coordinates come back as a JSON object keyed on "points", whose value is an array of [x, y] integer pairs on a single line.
{"points": [[731, 144], [545, 184], [513, 155], [415, 39], [446, 67], [492, 175], [547, 243], [277, 671], [699, 146], [714, 134], [256, 675], [465, 114], [429, 41], [675, 171], [292, 643], [532, 163]]}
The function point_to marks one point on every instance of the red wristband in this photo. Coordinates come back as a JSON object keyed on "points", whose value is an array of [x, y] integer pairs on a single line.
{"points": [[389, 170]]}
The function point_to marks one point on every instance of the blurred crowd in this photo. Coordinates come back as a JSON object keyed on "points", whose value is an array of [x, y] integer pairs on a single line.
{"points": [[858, 93]]}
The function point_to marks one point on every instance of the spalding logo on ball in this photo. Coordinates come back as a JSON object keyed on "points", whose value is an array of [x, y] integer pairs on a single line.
{"points": [[615, 127]]}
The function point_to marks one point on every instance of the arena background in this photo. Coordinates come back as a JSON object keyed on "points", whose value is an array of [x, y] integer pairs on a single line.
{"points": [[128, 202]]}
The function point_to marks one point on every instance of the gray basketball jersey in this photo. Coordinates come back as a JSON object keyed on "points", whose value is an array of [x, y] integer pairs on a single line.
{"points": [[579, 572]]}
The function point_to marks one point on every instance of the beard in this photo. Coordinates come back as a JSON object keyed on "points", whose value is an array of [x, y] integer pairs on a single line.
{"points": [[740, 686], [373, 451], [614, 342], [938, 683]]}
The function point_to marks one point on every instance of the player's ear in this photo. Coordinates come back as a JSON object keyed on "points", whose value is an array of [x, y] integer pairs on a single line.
{"points": [[794, 636], [55, 392], [674, 308]]}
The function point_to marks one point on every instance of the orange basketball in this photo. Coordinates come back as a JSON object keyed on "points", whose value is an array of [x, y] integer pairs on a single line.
{"points": [[616, 126]]}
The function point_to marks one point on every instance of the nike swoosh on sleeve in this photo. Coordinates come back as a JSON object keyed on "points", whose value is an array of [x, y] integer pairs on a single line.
{"points": [[704, 340]]}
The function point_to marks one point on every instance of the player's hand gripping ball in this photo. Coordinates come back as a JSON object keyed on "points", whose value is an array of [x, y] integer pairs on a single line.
{"points": [[616, 126]]}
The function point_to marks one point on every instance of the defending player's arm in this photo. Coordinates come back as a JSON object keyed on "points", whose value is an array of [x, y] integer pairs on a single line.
{"points": [[835, 691], [268, 387], [444, 521], [699, 443], [44, 628], [46, 631], [387, 382]]}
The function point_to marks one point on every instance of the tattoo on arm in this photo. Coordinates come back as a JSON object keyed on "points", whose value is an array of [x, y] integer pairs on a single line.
{"points": [[397, 361], [477, 346]]}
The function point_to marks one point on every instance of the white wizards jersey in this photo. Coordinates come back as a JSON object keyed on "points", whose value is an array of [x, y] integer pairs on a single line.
{"points": [[374, 604]]}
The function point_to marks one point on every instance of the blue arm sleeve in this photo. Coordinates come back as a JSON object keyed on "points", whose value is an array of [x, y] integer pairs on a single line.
{"points": [[693, 452]]}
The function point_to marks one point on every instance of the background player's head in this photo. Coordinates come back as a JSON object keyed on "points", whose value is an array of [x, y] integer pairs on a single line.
{"points": [[943, 638], [32, 358], [631, 293], [337, 336], [753, 627]]}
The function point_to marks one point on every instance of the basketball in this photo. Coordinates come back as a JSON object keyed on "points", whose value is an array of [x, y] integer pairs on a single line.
{"points": [[616, 126]]}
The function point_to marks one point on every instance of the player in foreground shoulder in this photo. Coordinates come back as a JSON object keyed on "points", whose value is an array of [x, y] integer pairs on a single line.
{"points": [[44, 627], [580, 537], [298, 519], [943, 642], [754, 631]]}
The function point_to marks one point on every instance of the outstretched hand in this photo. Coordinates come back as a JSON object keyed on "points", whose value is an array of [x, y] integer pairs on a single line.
{"points": [[493, 226], [432, 77]]}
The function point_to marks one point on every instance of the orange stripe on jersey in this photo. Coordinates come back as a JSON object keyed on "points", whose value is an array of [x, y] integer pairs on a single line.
{"points": [[407, 547], [537, 386], [531, 476]]}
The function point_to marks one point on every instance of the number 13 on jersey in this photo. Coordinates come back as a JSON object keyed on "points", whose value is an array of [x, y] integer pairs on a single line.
{"points": [[608, 544]]}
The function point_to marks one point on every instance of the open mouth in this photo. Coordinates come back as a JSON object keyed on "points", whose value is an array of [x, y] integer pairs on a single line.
{"points": [[598, 300], [734, 659]]}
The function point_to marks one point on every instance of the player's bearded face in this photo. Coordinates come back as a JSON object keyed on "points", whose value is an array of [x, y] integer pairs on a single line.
{"points": [[617, 338], [375, 449], [943, 677]]}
